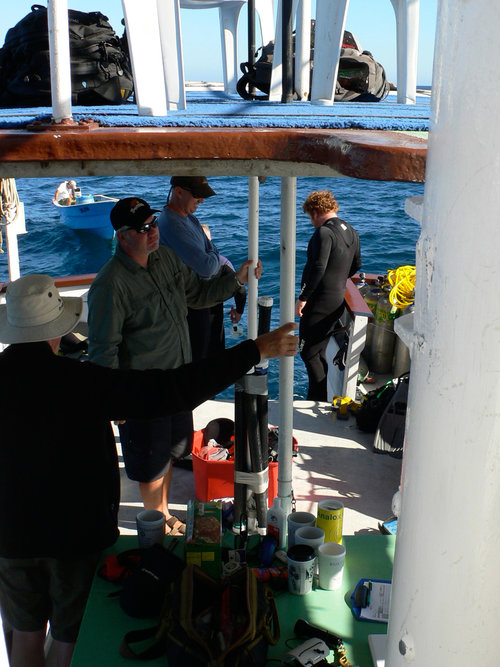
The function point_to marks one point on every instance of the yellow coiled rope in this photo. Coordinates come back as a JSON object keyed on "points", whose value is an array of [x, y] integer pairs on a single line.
{"points": [[402, 281]]}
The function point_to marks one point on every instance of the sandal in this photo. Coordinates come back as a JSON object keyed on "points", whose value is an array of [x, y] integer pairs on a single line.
{"points": [[176, 526]]}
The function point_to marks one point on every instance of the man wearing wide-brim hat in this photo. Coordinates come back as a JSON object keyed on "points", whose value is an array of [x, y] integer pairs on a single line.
{"points": [[59, 476]]}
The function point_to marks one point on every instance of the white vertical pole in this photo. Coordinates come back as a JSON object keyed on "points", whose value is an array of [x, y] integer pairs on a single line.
{"points": [[169, 23], [15, 227], [446, 582], [303, 50], [145, 37], [60, 67], [330, 22], [407, 13], [287, 314], [253, 253]]}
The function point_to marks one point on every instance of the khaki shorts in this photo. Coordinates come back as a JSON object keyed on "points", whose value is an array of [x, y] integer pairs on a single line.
{"points": [[36, 590]]}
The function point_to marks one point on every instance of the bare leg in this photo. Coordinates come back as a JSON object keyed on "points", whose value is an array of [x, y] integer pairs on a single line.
{"points": [[155, 495], [28, 649], [152, 494], [64, 653]]}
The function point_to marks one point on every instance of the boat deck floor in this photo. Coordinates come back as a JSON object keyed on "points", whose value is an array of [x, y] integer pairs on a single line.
{"points": [[335, 460]]}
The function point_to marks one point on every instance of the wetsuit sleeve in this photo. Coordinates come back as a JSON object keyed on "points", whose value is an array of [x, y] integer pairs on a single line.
{"points": [[153, 393], [240, 299], [356, 261], [321, 245], [240, 296]]}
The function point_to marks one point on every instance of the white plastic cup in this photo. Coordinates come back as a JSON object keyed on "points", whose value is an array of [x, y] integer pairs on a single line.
{"points": [[311, 535], [301, 563], [298, 520], [331, 556], [150, 528]]}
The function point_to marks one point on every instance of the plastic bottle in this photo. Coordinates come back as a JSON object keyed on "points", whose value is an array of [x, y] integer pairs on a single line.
{"points": [[276, 523]]}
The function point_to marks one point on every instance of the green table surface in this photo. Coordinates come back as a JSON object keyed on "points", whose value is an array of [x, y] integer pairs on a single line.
{"points": [[367, 556]]}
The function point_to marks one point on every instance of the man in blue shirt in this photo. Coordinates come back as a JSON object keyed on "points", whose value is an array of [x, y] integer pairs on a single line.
{"points": [[181, 230]]}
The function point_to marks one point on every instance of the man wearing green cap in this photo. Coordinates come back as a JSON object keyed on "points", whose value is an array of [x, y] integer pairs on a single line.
{"points": [[137, 319]]}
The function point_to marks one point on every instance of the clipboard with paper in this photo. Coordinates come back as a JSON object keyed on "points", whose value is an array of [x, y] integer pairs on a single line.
{"points": [[371, 600]]}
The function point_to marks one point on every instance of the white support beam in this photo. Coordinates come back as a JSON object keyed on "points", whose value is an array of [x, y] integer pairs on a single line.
{"points": [[60, 65], [287, 314], [253, 253], [444, 602]]}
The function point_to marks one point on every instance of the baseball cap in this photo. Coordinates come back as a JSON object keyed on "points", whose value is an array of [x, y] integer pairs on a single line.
{"points": [[131, 212], [197, 185]]}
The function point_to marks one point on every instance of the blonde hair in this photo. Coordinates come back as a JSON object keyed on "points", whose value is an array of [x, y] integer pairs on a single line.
{"points": [[321, 201]]}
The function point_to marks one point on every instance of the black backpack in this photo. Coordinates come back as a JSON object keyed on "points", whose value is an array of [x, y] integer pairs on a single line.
{"points": [[100, 69], [360, 78]]}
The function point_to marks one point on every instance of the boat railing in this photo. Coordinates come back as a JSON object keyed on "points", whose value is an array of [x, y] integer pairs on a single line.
{"points": [[357, 316]]}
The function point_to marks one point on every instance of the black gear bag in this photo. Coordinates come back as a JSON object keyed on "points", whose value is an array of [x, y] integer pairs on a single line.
{"points": [[360, 78], [100, 68]]}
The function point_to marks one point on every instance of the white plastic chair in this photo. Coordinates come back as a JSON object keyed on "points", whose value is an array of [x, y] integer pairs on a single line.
{"points": [[155, 43], [229, 13], [330, 24]]}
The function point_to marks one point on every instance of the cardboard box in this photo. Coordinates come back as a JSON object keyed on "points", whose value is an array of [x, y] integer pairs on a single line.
{"points": [[203, 539]]}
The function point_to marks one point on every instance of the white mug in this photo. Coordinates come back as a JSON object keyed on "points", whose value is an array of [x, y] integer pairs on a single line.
{"points": [[150, 528], [301, 564], [311, 535], [298, 520], [331, 557]]}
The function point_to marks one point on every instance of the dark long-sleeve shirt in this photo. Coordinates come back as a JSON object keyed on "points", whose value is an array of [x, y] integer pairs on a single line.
{"points": [[59, 478]]}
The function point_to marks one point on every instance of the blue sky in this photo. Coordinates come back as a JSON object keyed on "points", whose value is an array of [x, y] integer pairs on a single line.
{"points": [[371, 21]]}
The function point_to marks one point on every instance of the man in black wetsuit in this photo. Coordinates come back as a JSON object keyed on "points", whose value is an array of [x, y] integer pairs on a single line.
{"points": [[333, 255]]}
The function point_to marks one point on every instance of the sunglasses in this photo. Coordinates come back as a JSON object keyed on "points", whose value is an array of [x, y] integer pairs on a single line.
{"points": [[191, 192], [143, 229]]}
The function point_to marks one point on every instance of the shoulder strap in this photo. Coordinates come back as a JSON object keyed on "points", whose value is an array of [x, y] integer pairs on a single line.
{"points": [[154, 650]]}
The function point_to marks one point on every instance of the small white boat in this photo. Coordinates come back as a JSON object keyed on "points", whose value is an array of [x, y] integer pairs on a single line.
{"points": [[90, 214]]}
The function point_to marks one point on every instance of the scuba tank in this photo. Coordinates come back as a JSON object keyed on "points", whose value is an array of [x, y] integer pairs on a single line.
{"points": [[370, 294], [383, 341], [401, 360]]}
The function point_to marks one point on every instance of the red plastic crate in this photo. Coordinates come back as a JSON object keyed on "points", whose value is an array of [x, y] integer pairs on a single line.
{"points": [[215, 479]]}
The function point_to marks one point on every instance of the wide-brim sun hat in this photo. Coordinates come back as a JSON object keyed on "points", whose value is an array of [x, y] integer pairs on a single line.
{"points": [[35, 311]]}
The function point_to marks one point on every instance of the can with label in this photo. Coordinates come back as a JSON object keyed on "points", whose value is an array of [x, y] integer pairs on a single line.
{"points": [[330, 518]]}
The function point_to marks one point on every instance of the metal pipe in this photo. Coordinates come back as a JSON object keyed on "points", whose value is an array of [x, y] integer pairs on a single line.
{"points": [[60, 67], [240, 456], [287, 314], [287, 51], [251, 39], [253, 253]]}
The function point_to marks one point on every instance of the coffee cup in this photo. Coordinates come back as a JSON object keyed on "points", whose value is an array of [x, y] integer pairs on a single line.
{"points": [[311, 535], [301, 562], [298, 520], [150, 528], [330, 518], [331, 557]]}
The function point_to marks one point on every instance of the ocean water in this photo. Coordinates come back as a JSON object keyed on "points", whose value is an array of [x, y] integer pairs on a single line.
{"points": [[376, 209]]}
